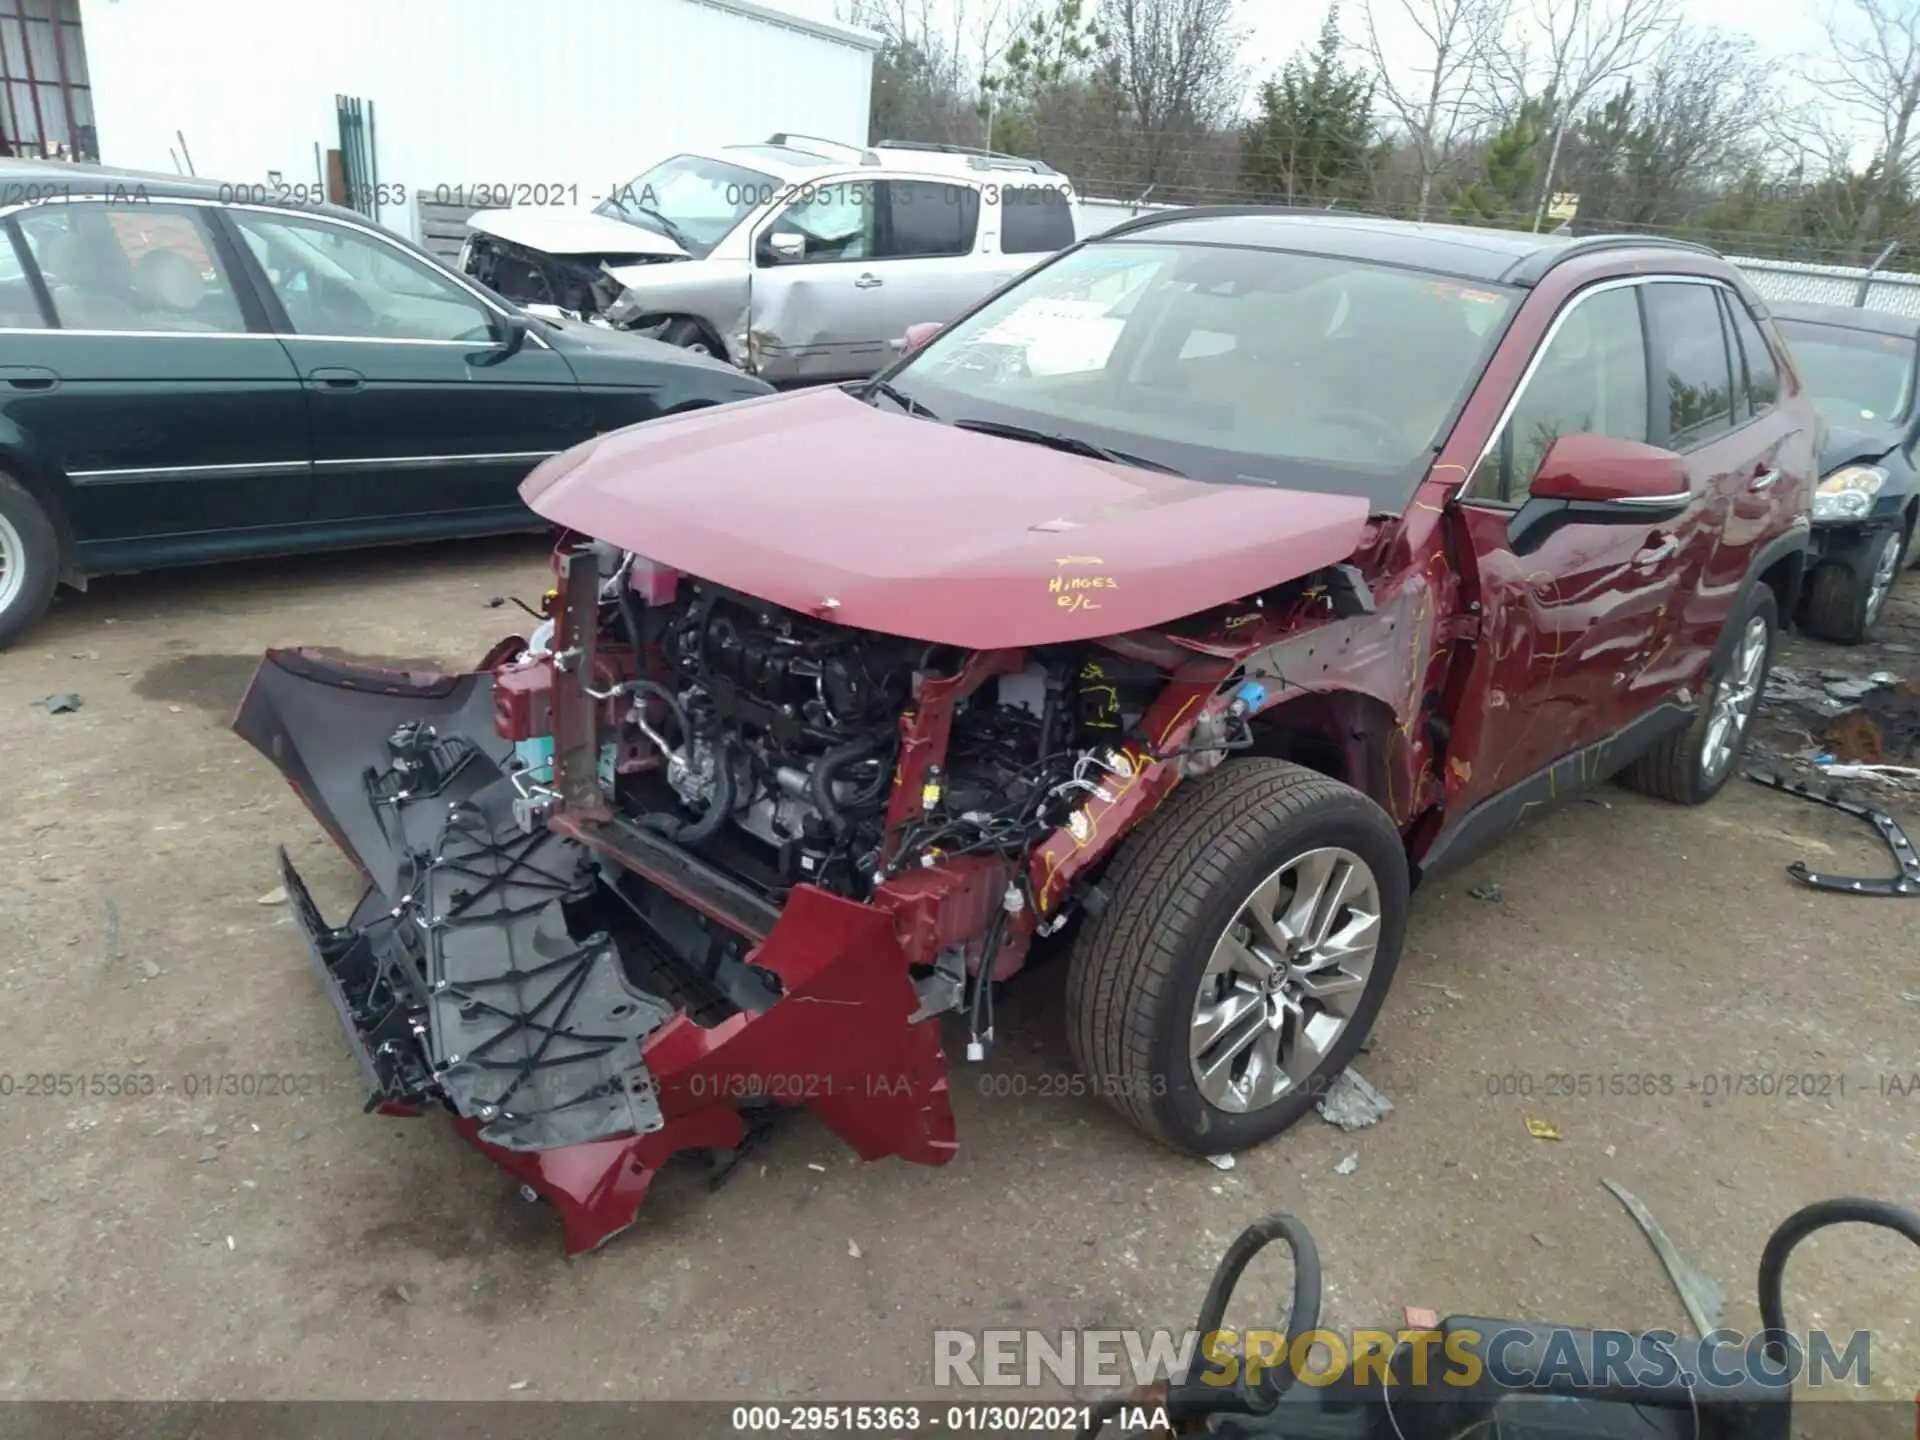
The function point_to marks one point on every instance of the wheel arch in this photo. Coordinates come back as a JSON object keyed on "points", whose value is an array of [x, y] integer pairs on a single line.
{"points": [[1782, 566], [1343, 734], [48, 485]]}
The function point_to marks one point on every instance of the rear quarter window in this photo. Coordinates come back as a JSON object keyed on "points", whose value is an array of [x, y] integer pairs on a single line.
{"points": [[1034, 219]]}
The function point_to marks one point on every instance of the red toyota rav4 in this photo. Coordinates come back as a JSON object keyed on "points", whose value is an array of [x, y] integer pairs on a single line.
{"points": [[1194, 595]]}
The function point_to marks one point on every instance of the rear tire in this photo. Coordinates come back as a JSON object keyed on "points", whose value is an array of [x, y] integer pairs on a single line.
{"points": [[1165, 1029], [29, 559], [1849, 593], [1689, 768]]}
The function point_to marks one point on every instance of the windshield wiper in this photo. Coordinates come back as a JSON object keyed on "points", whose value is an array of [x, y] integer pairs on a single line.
{"points": [[905, 402], [674, 232], [1072, 444]]}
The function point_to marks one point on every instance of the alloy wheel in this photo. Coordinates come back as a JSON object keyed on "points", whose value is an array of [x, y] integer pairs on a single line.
{"points": [[13, 564], [1734, 700], [1886, 568], [1284, 979]]}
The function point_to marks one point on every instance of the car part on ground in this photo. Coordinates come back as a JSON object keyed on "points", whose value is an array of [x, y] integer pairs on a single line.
{"points": [[845, 701], [1571, 1385], [1907, 861], [1700, 1294]]}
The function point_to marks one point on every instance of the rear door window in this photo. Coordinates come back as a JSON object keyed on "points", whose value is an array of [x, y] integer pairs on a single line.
{"points": [[135, 268], [925, 218], [1699, 368], [1757, 377], [1034, 219]]}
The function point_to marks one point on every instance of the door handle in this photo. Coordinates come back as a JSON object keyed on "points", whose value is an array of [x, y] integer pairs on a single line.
{"points": [[29, 377], [335, 379], [1764, 480], [867, 281], [1654, 554]]}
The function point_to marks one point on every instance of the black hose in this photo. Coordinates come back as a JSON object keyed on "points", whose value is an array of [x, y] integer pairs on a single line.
{"points": [[1199, 1398], [1302, 1318], [719, 805], [826, 769], [630, 619], [1797, 1227]]}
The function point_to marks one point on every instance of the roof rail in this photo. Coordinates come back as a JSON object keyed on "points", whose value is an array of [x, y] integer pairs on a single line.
{"points": [[1205, 212], [820, 145], [982, 159], [1532, 269]]}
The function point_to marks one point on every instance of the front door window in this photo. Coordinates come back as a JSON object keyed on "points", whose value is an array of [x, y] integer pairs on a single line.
{"points": [[335, 281]]}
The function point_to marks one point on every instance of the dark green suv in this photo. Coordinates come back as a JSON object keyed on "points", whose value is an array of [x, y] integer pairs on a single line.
{"points": [[186, 375]]}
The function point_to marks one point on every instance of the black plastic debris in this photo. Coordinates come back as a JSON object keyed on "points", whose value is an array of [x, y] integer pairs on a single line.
{"points": [[1907, 882], [59, 704]]}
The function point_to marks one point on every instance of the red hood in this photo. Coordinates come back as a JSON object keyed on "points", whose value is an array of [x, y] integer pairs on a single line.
{"points": [[921, 530]]}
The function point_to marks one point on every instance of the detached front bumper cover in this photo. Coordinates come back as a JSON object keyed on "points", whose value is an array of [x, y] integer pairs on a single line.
{"points": [[462, 980]]}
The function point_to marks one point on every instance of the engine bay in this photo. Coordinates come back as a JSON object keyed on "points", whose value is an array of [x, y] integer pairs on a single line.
{"points": [[771, 741]]}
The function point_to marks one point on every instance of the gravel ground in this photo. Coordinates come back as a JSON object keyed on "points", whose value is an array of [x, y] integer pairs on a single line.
{"points": [[198, 1238]]}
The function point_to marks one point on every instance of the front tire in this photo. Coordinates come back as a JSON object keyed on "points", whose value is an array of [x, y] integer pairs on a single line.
{"points": [[691, 335], [1256, 926], [29, 559], [1689, 768], [1848, 594]]}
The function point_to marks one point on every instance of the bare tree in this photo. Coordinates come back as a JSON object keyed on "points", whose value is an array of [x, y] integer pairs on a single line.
{"points": [[1698, 123], [1434, 99], [1873, 71], [1568, 50], [1175, 65]]}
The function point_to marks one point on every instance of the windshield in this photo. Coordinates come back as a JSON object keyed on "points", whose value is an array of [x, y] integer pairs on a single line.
{"points": [[1227, 364], [691, 200], [1853, 374]]}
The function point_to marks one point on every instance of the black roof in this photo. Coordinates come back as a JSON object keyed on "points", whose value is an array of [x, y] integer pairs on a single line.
{"points": [[1470, 252], [1850, 317]]}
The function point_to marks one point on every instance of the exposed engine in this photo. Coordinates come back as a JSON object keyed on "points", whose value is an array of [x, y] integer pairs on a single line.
{"points": [[777, 740], [577, 285]]}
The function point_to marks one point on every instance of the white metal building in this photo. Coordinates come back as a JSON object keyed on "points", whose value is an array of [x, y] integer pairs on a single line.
{"points": [[577, 96]]}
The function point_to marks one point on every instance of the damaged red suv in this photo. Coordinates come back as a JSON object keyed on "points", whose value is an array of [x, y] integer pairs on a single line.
{"points": [[1195, 596]]}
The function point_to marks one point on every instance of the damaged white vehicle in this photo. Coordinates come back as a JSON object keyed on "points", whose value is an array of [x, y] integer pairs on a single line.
{"points": [[799, 260]]}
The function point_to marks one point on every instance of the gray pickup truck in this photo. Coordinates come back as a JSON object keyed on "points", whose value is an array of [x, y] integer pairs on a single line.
{"points": [[800, 260]]}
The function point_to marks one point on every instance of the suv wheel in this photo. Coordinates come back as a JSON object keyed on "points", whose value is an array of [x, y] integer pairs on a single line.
{"points": [[690, 335], [1848, 594], [1690, 767], [1256, 928], [29, 559]]}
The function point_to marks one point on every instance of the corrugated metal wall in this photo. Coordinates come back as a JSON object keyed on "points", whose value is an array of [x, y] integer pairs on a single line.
{"points": [[568, 92]]}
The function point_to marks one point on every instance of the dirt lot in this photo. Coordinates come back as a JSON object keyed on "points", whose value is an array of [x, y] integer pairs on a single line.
{"points": [[176, 1243]]}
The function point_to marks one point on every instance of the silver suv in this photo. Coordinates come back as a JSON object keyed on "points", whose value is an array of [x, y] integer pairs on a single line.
{"points": [[799, 260]]}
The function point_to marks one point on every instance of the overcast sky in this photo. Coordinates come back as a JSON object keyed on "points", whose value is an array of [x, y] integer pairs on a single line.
{"points": [[1783, 29]]}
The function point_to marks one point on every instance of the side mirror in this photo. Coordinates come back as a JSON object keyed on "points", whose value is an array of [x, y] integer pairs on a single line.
{"points": [[512, 330], [1588, 470], [1598, 480], [783, 247], [918, 335]]}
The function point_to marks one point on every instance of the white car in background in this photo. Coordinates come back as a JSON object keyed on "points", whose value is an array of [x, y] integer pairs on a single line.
{"points": [[799, 259]]}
